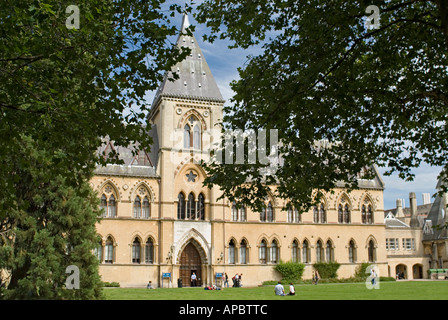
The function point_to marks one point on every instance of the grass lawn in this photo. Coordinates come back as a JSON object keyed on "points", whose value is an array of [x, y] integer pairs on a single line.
{"points": [[399, 290]]}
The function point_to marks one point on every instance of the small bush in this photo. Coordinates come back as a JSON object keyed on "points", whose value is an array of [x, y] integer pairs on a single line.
{"points": [[111, 284], [327, 270], [290, 271]]}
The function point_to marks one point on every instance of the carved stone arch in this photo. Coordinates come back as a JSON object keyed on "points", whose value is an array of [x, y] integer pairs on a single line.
{"points": [[264, 237], [343, 195], [114, 241], [134, 190], [371, 238], [369, 198], [136, 234], [331, 241], [152, 236], [234, 241], [245, 240], [310, 244], [323, 198], [197, 239], [188, 114], [299, 245], [276, 238], [321, 240], [354, 242], [114, 186]]}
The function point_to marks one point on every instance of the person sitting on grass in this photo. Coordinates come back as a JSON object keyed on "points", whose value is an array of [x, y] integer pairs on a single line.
{"points": [[292, 291], [279, 290]]}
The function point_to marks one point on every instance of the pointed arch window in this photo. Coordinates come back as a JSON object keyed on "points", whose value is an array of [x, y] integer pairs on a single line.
{"points": [[315, 215], [329, 252], [319, 251], [346, 214], [322, 214], [367, 214], [99, 250], [197, 137], [191, 207], [232, 252], [263, 214], [109, 251], [234, 212], [352, 251], [270, 213], [137, 207], [187, 137], [146, 209], [306, 252], [274, 252], [242, 213], [371, 251], [136, 251], [262, 252], [181, 206], [295, 251], [243, 252], [149, 251], [201, 207], [340, 214], [111, 207]]}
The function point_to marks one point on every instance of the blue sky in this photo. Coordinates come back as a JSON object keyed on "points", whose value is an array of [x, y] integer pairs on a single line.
{"points": [[224, 62]]}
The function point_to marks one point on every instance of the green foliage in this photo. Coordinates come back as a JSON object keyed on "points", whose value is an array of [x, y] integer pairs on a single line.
{"points": [[56, 230], [333, 87], [290, 271], [327, 270], [111, 284], [61, 91], [360, 271]]}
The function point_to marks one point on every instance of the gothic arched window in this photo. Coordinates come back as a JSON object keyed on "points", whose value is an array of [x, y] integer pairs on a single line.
{"points": [[181, 206], [201, 207], [187, 137], [136, 253]]}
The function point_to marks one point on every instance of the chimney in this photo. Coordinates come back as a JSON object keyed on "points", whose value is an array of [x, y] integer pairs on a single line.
{"points": [[399, 213], [413, 205], [426, 198]]}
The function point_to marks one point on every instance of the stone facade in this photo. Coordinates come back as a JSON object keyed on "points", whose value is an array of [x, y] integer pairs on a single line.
{"points": [[159, 218]]}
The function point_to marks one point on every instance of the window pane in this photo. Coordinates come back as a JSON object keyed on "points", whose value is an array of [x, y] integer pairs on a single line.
{"points": [[187, 136], [146, 208], [137, 207], [197, 137]]}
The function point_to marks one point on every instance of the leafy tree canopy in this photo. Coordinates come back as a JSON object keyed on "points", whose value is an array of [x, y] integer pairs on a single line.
{"points": [[342, 95]]}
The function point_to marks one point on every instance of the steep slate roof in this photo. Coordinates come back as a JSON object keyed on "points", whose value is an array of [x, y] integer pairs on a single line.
{"points": [[195, 78], [131, 166]]}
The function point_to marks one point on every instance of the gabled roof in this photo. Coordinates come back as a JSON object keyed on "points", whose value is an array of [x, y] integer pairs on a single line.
{"points": [[195, 78]]}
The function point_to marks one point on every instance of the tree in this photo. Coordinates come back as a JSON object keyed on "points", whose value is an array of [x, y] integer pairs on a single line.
{"points": [[342, 94], [51, 228], [70, 74]]}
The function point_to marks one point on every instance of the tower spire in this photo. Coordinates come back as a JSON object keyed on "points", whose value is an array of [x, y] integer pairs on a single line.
{"points": [[195, 78]]}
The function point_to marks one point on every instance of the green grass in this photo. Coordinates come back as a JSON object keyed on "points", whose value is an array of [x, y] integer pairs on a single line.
{"points": [[400, 290]]}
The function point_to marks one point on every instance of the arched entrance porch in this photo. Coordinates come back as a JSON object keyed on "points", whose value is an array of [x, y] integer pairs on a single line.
{"points": [[192, 260], [401, 271]]}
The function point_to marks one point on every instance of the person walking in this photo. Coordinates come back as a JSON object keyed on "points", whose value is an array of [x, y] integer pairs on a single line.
{"points": [[226, 281], [316, 277], [193, 279]]}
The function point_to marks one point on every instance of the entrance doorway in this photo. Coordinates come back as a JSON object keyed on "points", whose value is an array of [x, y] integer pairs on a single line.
{"points": [[401, 271], [190, 262]]}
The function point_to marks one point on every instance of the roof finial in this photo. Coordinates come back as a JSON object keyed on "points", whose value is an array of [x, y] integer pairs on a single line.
{"points": [[185, 22]]}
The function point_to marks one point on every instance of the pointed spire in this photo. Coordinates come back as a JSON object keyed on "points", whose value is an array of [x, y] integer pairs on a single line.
{"points": [[185, 23], [195, 78]]}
